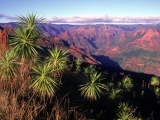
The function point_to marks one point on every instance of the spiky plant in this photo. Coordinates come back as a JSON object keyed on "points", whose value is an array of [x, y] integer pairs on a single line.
{"points": [[30, 21], [155, 81], [24, 43], [127, 83], [42, 80], [157, 93], [58, 60], [114, 93], [78, 63], [126, 112], [90, 69], [8, 65], [92, 86], [110, 85]]}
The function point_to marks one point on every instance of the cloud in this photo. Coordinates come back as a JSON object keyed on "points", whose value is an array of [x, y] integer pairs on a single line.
{"points": [[93, 19], [11, 18], [7, 17], [2, 16], [105, 19]]}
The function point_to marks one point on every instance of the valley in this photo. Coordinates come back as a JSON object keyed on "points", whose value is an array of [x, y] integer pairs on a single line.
{"points": [[133, 47]]}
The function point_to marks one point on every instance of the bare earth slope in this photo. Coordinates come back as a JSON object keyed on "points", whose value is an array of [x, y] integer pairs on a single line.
{"points": [[133, 47], [49, 42]]}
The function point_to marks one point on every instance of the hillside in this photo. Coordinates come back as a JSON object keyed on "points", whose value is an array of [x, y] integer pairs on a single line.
{"points": [[49, 42], [130, 47]]}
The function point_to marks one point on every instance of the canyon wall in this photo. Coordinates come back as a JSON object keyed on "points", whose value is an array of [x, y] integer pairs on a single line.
{"points": [[3, 40]]}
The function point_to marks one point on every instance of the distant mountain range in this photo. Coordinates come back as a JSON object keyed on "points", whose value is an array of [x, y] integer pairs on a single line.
{"points": [[129, 47]]}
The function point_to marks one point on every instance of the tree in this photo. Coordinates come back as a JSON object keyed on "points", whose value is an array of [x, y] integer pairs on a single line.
{"points": [[92, 88], [42, 81]]}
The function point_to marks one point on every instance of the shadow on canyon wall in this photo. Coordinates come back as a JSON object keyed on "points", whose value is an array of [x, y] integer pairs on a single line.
{"points": [[113, 67]]}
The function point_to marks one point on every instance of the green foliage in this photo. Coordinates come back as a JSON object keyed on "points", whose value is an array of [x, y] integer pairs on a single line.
{"points": [[157, 93], [8, 65], [155, 81], [39, 78], [92, 88], [125, 112], [127, 83], [24, 43], [30, 21], [89, 69], [58, 59], [24, 37], [110, 85], [116, 89], [42, 81], [78, 63], [114, 93]]}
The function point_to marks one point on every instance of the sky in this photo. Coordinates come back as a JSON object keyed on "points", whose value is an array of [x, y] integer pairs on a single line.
{"points": [[83, 11]]}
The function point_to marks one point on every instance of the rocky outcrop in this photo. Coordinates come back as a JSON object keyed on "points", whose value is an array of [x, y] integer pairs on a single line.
{"points": [[3, 40], [91, 37], [73, 51], [133, 47]]}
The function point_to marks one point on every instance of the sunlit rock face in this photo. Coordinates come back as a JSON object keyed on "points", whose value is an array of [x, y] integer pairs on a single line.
{"points": [[134, 48], [131, 47], [50, 41], [3, 40], [77, 53]]}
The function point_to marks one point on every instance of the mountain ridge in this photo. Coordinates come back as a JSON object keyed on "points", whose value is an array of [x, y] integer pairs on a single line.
{"points": [[133, 47]]}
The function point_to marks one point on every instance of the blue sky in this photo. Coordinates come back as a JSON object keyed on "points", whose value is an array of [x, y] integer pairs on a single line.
{"points": [[83, 11]]}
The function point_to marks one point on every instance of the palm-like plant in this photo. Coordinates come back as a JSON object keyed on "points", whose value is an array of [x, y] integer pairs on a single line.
{"points": [[90, 69], [155, 81], [58, 59], [42, 81], [30, 21], [114, 93], [92, 88], [157, 93], [24, 40], [124, 111], [110, 85], [127, 83], [8, 65], [78, 63], [24, 43]]}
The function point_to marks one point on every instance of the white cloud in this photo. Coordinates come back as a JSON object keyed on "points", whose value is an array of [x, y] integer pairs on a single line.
{"points": [[2, 16], [7, 17], [93, 19], [104, 19]]}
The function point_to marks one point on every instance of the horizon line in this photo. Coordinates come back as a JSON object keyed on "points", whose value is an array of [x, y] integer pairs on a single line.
{"points": [[99, 23]]}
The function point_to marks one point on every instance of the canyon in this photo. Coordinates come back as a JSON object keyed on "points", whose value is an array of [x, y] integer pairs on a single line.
{"points": [[129, 47]]}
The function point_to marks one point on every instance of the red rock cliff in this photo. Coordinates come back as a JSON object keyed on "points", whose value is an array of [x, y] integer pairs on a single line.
{"points": [[3, 40]]}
